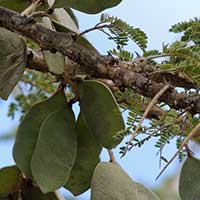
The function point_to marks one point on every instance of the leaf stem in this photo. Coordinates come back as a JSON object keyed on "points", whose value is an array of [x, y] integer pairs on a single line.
{"points": [[112, 156], [96, 27]]}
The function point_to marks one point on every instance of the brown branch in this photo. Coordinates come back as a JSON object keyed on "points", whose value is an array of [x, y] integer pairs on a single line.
{"points": [[35, 60], [94, 64]]}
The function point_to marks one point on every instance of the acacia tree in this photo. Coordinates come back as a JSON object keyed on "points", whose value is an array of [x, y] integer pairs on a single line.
{"points": [[43, 52]]}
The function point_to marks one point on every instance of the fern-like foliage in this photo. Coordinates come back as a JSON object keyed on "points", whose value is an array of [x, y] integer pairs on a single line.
{"points": [[121, 32], [122, 54], [150, 53], [179, 57], [190, 30], [33, 87]]}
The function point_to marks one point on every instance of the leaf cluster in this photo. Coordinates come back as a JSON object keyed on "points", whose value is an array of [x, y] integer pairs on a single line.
{"points": [[52, 148], [121, 32]]}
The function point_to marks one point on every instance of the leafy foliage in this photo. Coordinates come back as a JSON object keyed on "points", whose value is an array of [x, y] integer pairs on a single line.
{"points": [[121, 32], [184, 55], [122, 54], [51, 148], [190, 30], [25, 143]]}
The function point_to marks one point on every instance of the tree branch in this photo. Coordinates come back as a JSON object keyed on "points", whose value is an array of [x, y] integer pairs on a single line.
{"points": [[96, 65], [35, 60]]}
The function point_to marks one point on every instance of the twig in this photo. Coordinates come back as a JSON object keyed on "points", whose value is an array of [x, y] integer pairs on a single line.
{"points": [[40, 14], [149, 107], [96, 27], [184, 143], [34, 5], [112, 157]]}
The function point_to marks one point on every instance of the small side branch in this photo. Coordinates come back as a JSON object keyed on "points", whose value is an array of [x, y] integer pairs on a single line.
{"points": [[96, 27], [34, 5]]}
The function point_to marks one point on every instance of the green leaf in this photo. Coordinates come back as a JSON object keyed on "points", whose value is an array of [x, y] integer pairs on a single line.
{"points": [[9, 180], [101, 112], [81, 40], [60, 16], [88, 6], [85, 43], [55, 151], [51, 2], [28, 130], [65, 21], [122, 32], [73, 16], [55, 61], [12, 62], [17, 5], [111, 182], [29, 192], [87, 158], [189, 183]]}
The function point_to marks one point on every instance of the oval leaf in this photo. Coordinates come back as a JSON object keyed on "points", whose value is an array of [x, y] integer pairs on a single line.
{"points": [[9, 180], [55, 61], [28, 130], [29, 192], [101, 112], [87, 158], [60, 16], [189, 183], [88, 6], [17, 5], [12, 62], [64, 21], [111, 182], [55, 151]]}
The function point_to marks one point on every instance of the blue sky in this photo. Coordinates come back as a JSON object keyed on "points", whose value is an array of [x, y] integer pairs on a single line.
{"points": [[155, 17]]}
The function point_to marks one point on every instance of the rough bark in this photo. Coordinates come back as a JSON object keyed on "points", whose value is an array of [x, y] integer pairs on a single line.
{"points": [[92, 63]]}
